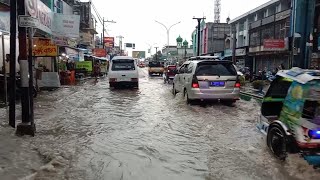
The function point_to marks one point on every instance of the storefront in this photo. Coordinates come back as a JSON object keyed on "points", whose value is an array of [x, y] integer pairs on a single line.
{"points": [[315, 57], [272, 55], [243, 59]]}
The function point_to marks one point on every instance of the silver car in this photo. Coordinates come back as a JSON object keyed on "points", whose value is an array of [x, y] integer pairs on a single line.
{"points": [[206, 78]]}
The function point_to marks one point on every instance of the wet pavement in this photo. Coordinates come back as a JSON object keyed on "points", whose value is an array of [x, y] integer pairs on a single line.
{"points": [[91, 132]]}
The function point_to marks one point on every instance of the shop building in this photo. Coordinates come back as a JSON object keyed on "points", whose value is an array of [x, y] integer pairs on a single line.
{"points": [[212, 37], [262, 36]]}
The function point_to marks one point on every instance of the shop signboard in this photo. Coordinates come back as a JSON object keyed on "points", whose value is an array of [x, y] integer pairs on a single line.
{"points": [[44, 48], [66, 25], [39, 10], [84, 65], [60, 41], [139, 54], [4, 20], [28, 21], [273, 44], [99, 52], [241, 52], [227, 53], [109, 42]]}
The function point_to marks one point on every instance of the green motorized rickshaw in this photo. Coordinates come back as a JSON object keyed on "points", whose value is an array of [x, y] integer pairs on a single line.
{"points": [[290, 115]]}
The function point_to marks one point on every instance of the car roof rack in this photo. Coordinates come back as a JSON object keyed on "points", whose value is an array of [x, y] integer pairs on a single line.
{"points": [[204, 58]]}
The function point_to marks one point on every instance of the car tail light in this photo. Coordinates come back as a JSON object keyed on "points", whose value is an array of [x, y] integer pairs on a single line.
{"points": [[112, 79], [237, 85], [134, 79], [195, 83]]}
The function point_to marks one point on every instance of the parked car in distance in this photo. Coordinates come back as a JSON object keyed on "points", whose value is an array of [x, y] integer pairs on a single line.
{"points": [[123, 71], [207, 78]]}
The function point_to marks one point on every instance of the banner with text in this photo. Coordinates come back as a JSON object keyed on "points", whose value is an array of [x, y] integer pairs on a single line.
{"points": [[139, 54], [109, 42], [44, 48], [273, 44], [99, 52], [39, 10], [66, 25], [4, 19]]}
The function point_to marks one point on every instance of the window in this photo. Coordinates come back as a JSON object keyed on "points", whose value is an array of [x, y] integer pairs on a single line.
{"points": [[255, 38], [215, 69], [123, 65], [311, 111], [279, 88], [190, 68], [183, 69], [267, 32], [282, 29]]}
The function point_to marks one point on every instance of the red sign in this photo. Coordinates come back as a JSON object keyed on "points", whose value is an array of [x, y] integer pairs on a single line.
{"points": [[109, 42], [273, 44], [99, 52]]}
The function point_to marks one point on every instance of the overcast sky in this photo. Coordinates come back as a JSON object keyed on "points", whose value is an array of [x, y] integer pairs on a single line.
{"points": [[136, 18]]}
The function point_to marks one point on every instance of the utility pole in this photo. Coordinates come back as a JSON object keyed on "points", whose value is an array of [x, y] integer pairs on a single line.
{"points": [[234, 44], [26, 127], [156, 53], [4, 58], [103, 21], [199, 22], [13, 43], [120, 43]]}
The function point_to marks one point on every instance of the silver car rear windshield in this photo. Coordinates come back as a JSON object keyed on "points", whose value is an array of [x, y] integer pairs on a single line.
{"points": [[215, 69], [123, 65]]}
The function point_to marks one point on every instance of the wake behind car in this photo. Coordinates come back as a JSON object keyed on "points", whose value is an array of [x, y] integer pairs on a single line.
{"points": [[207, 78], [123, 71]]}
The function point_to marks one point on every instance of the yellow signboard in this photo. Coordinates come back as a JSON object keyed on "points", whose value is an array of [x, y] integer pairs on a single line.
{"points": [[44, 48]]}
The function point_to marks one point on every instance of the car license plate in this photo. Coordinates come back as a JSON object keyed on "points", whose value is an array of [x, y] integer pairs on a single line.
{"points": [[217, 84]]}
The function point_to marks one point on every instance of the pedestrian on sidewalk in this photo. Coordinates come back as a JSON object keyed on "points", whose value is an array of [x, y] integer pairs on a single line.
{"points": [[97, 70]]}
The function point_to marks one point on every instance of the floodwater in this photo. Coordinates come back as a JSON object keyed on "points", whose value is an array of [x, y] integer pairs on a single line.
{"points": [[91, 132]]}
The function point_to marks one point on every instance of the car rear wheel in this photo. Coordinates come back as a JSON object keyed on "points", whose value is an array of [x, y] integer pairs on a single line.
{"points": [[174, 91], [186, 97], [277, 142]]}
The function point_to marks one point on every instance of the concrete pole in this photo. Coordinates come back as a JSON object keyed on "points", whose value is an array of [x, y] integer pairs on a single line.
{"points": [[13, 43], [5, 99]]}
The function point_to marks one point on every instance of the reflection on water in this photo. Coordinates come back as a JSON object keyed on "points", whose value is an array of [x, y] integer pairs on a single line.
{"points": [[150, 134]]}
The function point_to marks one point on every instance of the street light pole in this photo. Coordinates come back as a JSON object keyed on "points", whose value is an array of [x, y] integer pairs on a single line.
{"points": [[103, 21], [156, 53], [168, 30], [199, 21], [120, 43]]}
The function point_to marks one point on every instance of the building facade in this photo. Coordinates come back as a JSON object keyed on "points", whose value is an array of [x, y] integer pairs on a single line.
{"points": [[212, 37], [279, 32], [262, 36]]}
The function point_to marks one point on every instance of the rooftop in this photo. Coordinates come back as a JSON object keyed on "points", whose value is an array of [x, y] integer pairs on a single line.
{"points": [[302, 76], [254, 10]]}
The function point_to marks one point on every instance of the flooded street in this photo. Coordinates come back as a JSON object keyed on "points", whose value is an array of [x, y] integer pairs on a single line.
{"points": [[91, 132]]}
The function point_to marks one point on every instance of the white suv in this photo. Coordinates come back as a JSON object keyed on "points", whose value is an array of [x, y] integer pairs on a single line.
{"points": [[207, 78], [123, 71]]}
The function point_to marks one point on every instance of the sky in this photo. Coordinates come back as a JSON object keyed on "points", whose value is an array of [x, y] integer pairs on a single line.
{"points": [[135, 19]]}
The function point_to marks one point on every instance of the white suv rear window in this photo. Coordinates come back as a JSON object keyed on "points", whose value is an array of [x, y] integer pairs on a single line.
{"points": [[122, 65], [215, 69]]}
